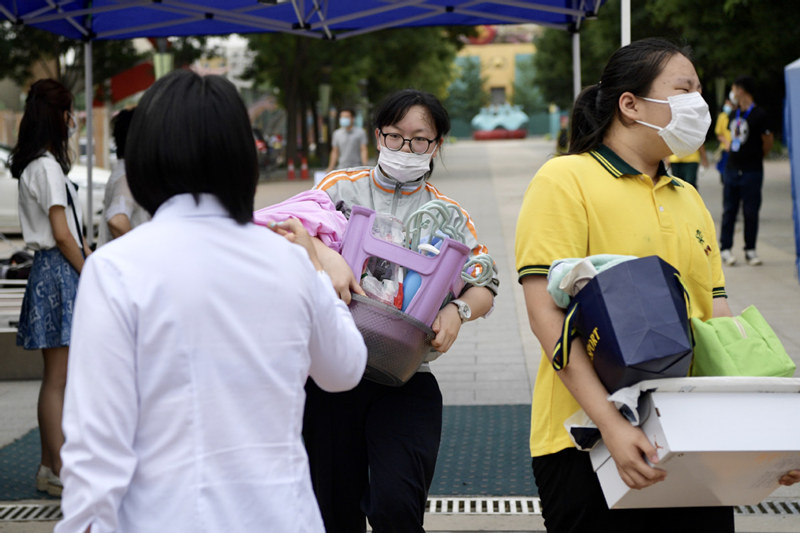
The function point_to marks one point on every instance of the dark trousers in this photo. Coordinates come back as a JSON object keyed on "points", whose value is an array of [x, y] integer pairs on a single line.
{"points": [[373, 452], [740, 187], [573, 502]]}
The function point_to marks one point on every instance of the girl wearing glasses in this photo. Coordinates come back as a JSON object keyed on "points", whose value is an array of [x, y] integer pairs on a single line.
{"points": [[49, 213], [373, 449]]}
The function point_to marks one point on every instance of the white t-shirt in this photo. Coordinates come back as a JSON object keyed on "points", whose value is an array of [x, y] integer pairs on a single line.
{"points": [[119, 200], [41, 186]]}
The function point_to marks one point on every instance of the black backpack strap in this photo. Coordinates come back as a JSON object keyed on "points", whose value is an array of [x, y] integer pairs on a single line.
{"points": [[77, 221]]}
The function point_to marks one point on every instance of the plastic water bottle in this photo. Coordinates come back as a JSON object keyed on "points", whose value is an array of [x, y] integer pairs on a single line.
{"points": [[411, 283]]}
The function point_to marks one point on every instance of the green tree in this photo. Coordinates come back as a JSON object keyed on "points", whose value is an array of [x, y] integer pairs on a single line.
{"points": [[23, 47], [378, 62], [553, 63], [598, 40], [752, 37], [421, 58], [186, 50], [526, 93], [466, 94], [296, 66], [727, 38]]}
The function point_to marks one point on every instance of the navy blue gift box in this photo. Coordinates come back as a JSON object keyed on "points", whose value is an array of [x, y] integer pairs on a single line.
{"points": [[634, 322]]}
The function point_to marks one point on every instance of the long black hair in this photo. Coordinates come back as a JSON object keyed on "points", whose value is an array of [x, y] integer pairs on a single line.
{"points": [[43, 127], [395, 106], [119, 127], [632, 68], [192, 134]]}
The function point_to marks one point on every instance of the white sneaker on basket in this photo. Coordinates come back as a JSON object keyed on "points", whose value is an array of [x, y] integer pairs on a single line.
{"points": [[727, 257], [752, 258]]}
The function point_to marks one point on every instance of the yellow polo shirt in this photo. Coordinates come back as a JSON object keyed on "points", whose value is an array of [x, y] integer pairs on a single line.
{"points": [[595, 203], [721, 127]]}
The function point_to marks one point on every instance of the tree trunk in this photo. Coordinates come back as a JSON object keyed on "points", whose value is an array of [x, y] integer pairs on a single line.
{"points": [[303, 126], [315, 126], [295, 102], [291, 128]]}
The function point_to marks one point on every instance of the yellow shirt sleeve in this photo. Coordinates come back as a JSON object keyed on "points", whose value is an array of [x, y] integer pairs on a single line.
{"points": [[721, 127], [552, 222]]}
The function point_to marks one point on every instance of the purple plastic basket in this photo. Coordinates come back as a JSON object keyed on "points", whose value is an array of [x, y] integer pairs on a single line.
{"points": [[396, 342], [439, 274]]}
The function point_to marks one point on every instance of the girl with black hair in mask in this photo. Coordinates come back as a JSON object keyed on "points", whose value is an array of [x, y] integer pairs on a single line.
{"points": [[611, 195], [373, 449]]}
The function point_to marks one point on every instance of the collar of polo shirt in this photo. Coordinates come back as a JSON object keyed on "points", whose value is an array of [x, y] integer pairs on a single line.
{"points": [[617, 167]]}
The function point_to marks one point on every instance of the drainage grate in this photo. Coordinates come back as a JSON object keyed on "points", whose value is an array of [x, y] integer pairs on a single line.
{"points": [[436, 505], [771, 507], [483, 505], [18, 512], [523, 505]]}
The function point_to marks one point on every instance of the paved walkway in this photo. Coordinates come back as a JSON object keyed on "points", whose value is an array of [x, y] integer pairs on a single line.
{"points": [[494, 361]]}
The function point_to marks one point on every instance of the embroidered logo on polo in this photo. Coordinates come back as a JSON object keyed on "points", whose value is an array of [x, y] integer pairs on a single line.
{"points": [[699, 236]]}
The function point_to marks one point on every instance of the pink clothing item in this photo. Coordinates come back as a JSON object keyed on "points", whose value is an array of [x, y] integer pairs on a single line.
{"points": [[315, 210]]}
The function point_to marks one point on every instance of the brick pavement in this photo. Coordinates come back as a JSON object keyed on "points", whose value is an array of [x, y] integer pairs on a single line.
{"points": [[494, 361]]}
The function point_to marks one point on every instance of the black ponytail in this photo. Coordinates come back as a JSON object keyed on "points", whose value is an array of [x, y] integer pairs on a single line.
{"points": [[590, 120], [631, 68]]}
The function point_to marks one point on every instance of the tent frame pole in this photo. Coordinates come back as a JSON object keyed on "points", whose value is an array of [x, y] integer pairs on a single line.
{"points": [[625, 22], [576, 64], [88, 84]]}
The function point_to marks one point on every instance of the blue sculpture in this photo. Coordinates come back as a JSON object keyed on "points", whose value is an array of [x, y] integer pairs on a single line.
{"points": [[504, 121]]}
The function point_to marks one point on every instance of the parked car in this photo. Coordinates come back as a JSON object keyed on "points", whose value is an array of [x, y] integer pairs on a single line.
{"points": [[9, 205], [112, 152]]}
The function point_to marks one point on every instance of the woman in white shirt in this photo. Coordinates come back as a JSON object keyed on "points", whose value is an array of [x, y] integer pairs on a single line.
{"points": [[121, 213], [194, 336], [49, 213]]}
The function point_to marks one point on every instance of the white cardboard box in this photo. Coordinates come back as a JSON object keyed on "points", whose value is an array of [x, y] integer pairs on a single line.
{"points": [[722, 441]]}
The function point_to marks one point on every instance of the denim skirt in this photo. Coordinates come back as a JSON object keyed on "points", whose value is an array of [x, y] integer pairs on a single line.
{"points": [[46, 315]]}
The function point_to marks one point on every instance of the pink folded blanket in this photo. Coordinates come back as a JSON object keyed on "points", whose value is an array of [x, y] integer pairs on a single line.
{"points": [[315, 210]]}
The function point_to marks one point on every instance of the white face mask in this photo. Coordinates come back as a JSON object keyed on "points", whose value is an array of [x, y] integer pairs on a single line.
{"points": [[686, 132], [732, 98], [404, 166], [345, 122]]}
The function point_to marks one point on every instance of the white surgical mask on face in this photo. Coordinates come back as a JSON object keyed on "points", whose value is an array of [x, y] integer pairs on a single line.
{"points": [[686, 132], [345, 122], [732, 98], [404, 166]]}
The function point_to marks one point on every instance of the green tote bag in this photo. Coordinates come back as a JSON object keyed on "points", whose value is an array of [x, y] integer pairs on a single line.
{"points": [[743, 345]]}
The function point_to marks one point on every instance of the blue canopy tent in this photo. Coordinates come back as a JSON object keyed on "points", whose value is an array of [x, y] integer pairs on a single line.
{"points": [[792, 133], [126, 19], [90, 20]]}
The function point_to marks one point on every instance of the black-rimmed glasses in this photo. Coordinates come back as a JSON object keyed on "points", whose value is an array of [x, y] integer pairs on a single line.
{"points": [[395, 142]]}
